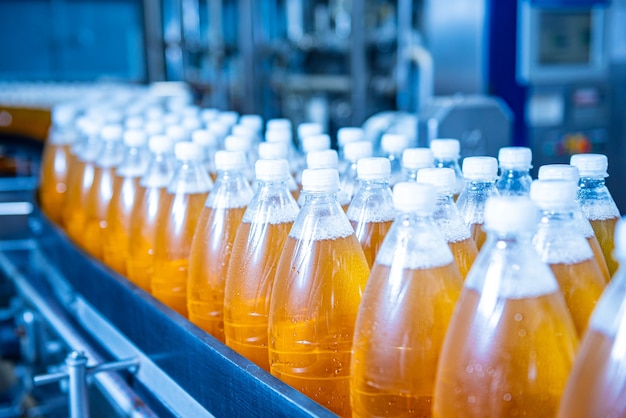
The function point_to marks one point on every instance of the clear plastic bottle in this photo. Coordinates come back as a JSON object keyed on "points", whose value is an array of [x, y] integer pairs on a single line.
{"points": [[327, 158], [515, 165], [307, 129], [352, 153], [371, 211], [101, 190], [279, 151], [213, 242], [511, 341], [414, 159], [345, 136], [243, 144], [392, 146], [596, 201], [446, 154], [186, 195], [284, 136], [448, 217], [566, 251], [145, 214], [319, 281], [480, 184], [278, 124], [570, 173], [406, 308], [256, 250], [209, 143], [126, 192], [596, 384]]}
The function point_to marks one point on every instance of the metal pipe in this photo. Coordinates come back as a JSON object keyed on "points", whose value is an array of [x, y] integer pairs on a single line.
{"points": [[76, 363], [358, 63]]}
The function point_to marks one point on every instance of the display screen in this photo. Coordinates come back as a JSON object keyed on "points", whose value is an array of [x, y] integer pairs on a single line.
{"points": [[564, 38]]}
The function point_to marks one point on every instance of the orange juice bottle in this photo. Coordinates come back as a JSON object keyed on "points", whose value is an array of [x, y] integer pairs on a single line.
{"points": [[53, 180], [371, 211], [256, 250], [101, 190], [145, 214], [447, 216], [176, 225], [414, 159], [570, 173], [480, 178], [511, 341], [352, 153], [561, 245], [280, 130], [596, 201], [310, 143], [406, 308], [392, 146], [327, 158], [515, 165], [597, 382], [209, 143], [446, 153], [126, 192], [243, 144], [315, 298], [213, 242], [279, 151]]}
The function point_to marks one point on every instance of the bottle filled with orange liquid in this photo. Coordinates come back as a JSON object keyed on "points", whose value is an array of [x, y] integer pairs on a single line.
{"points": [[315, 298], [352, 153], [280, 130], [597, 382], [446, 154], [414, 159], [126, 192], [279, 151], [596, 201], [53, 181], [480, 178], [406, 308], [392, 146], [242, 144], [256, 250], [213, 242], [515, 165], [176, 225], [447, 216], [145, 214], [327, 158], [566, 251], [310, 143], [511, 341], [371, 211], [101, 190], [209, 143]]}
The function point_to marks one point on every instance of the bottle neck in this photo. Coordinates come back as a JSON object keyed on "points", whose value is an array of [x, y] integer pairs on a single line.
{"points": [[591, 182], [190, 177]]}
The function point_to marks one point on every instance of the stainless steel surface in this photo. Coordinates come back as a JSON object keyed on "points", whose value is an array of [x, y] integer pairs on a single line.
{"points": [[76, 363], [153, 33]]}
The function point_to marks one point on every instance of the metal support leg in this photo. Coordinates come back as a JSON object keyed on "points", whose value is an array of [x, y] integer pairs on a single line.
{"points": [[76, 364]]}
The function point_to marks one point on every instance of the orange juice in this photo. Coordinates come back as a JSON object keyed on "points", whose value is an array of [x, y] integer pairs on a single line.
{"points": [[54, 179], [371, 236], [478, 235], [604, 230], [464, 252]]}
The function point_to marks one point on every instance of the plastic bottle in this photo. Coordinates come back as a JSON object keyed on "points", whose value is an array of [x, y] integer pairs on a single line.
{"points": [[284, 136], [597, 382], [405, 312], [307, 129], [213, 242], [279, 151], [176, 225], [566, 251], [327, 158], [177, 133], [480, 174], [53, 181], [278, 124], [596, 202], [345, 136], [209, 143], [570, 173], [352, 153], [446, 154], [371, 211], [413, 160], [392, 146], [145, 214], [243, 144], [515, 165], [511, 341], [319, 281], [101, 190], [256, 250], [448, 217]]}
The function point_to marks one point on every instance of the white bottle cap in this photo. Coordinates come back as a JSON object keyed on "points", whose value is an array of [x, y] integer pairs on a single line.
{"points": [[189, 111], [414, 197], [176, 132], [272, 170], [154, 113], [349, 134], [135, 138], [153, 127], [444, 179], [309, 128], [320, 180], [480, 168], [511, 214], [170, 119], [373, 168], [218, 128], [205, 138], [252, 121], [591, 165], [230, 160], [208, 115], [111, 132], [191, 124], [273, 151], [446, 148], [417, 158], [558, 172], [549, 194], [322, 159], [161, 144], [620, 239], [354, 151], [237, 143], [228, 118], [63, 114], [114, 116], [88, 126], [243, 130], [188, 151], [133, 122], [318, 142], [394, 143], [278, 135], [278, 124], [515, 157]]}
